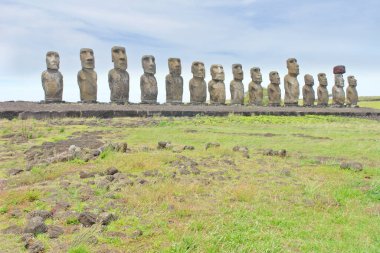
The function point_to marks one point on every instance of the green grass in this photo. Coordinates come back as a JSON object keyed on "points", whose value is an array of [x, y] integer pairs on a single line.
{"points": [[300, 203]]}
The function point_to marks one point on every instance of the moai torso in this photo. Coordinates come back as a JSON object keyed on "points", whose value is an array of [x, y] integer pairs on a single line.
{"points": [[148, 83], [237, 86], [118, 77], [255, 90], [308, 93], [274, 90], [52, 79], [323, 94], [216, 86], [351, 92], [338, 91], [291, 84], [197, 85], [174, 82], [87, 77]]}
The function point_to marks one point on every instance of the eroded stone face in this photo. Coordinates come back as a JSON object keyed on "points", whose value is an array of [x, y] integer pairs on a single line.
{"points": [[197, 85], [338, 91], [351, 92], [274, 90], [119, 58], [174, 82], [323, 94], [291, 84], [216, 86], [118, 78], [308, 93], [255, 90], [237, 86], [148, 83], [87, 77], [52, 79]]}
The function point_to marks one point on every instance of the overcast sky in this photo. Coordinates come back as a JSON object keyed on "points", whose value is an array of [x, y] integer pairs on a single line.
{"points": [[262, 33]]}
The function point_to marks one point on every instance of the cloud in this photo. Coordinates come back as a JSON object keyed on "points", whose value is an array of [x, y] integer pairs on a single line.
{"points": [[320, 34]]}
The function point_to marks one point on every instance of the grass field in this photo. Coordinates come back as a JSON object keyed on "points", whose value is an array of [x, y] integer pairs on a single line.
{"points": [[201, 200]]}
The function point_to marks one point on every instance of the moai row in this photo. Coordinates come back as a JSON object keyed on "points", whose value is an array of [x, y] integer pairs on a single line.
{"points": [[118, 78]]}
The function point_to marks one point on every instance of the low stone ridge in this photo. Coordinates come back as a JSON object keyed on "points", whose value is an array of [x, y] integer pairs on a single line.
{"points": [[25, 110]]}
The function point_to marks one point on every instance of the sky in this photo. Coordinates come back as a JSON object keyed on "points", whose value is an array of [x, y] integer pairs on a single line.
{"points": [[256, 33]]}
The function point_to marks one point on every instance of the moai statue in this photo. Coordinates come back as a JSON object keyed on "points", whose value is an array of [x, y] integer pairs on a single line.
{"points": [[308, 93], [118, 77], [291, 84], [255, 90], [197, 85], [323, 94], [148, 83], [274, 90], [237, 86], [216, 86], [87, 77], [52, 79], [351, 92], [338, 91], [174, 82]]}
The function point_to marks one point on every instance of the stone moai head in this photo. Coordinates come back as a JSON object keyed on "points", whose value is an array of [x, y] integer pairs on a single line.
{"points": [[293, 67], [149, 64], [309, 80], [87, 58], [175, 67], [322, 79], [52, 60], [198, 69], [237, 71], [119, 58], [217, 72], [352, 81], [256, 75], [274, 78], [339, 81]]}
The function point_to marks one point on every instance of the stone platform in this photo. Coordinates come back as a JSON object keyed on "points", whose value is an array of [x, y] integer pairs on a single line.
{"points": [[25, 110]]}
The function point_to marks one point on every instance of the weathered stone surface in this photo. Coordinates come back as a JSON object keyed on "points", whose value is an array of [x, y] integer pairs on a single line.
{"points": [[355, 166], [163, 145], [338, 92], [86, 174], [87, 77], [52, 79], [216, 86], [13, 229], [237, 86], [255, 91], [291, 84], [106, 218], [36, 246], [174, 82], [44, 214], [274, 90], [351, 92], [87, 219], [148, 83], [35, 226], [323, 94], [111, 171], [14, 171], [118, 77], [197, 85], [308, 93], [212, 145], [55, 231]]}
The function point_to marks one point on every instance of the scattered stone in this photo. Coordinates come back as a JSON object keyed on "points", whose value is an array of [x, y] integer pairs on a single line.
{"points": [[183, 171], [86, 174], [87, 219], [151, 173], [136, 233], [119, 176], [92, 240], [111, 171], [240, 149], [163, 145], [15, 213], [96, 152], [282, 153], [27, 238], [65, 184], [188, 148], [285, 172], [268, 152], [195, 170], [36, 247], [14, 171], [39, 213], [246, 155], [36, 226], [104, 184], [110, 178], [212, 145], [271, 152], [54, 231], [354, 166], [106, 218], [13, 229], [142, 181]]}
